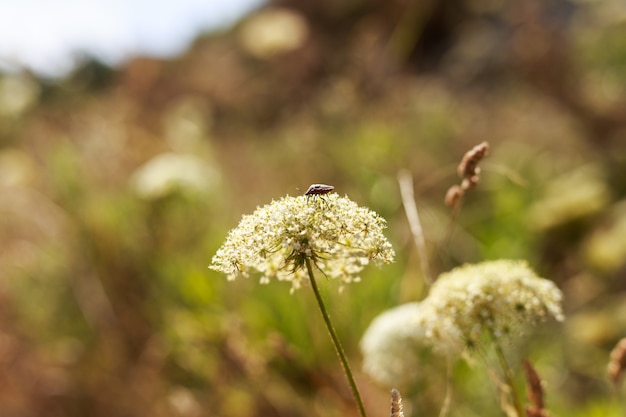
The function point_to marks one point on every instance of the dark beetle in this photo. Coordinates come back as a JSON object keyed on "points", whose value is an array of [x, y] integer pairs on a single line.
{"points": [[319, 189]]}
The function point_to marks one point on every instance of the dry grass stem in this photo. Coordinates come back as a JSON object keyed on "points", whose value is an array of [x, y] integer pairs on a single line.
{"points": [[408, 201], [617, 362]]}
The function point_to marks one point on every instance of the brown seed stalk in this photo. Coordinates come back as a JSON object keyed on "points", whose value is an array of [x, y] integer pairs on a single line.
{"points": [[469, 171], [617, 362], [454, 196], [535, 392], [469, 164]]}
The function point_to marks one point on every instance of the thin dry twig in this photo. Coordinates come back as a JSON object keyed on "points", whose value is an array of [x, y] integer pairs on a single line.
{"points": [[408, 201]]}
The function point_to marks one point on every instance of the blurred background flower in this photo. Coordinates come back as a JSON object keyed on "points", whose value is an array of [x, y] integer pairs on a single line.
{"points": [[272, 32], [170, 172], [395, 346]]}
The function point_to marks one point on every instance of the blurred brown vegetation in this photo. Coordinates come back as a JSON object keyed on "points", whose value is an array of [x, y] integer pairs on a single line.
{"points": [[118, 185]]}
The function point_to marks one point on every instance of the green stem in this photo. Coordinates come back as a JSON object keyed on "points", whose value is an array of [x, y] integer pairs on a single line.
{"points": [[335, 339], [508, 375]]}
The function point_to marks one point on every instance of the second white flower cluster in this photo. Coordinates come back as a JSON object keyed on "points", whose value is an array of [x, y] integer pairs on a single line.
{"points": [[466, 307]]}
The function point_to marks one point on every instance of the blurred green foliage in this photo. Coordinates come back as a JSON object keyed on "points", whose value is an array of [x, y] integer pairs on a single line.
{"points": [[107, 307]]}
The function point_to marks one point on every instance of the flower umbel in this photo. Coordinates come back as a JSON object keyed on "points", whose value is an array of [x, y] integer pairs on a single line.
{"points": [[337, 235], [497, 297]]}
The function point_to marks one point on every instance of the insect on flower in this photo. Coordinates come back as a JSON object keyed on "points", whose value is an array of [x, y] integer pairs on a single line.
{"points": [[318, 189]]}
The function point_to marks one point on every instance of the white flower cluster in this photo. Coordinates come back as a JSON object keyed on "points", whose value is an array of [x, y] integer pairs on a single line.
{"points": [[332, 232], [393, 345], [496, 298]]}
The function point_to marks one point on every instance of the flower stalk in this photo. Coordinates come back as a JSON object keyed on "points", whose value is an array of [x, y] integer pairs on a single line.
{"points": [[509, 375], [333, 336]]}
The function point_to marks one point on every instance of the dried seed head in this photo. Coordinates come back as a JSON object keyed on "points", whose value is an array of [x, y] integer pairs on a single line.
{"points": [[617, 362], [469, 182], [453, 196], [469, 164], [318, 189], [469, 171], [396, 404]]}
